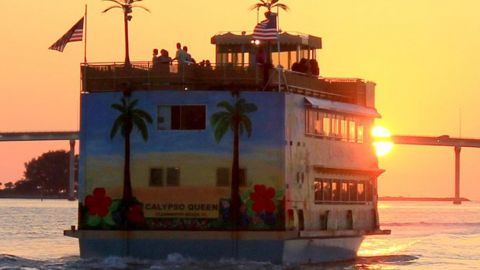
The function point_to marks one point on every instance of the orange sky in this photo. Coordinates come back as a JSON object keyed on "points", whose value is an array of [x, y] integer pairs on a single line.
{"points": [[422, 55]]}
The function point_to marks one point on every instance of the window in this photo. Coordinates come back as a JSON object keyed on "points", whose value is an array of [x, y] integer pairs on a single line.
{"points": [[352, 191], [326, 125], [343, 129], [327, 190], [334, 126], [173, 176], [223, 177], [352, 130], [318, 123], [361, 191], [341, 191], [181, 117], [157, 176], [360, 133], [318, 190], [335, 190], [344, 192]]}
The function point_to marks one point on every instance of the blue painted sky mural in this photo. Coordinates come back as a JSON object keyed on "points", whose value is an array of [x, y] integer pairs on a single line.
{"points": [[268, 123]]}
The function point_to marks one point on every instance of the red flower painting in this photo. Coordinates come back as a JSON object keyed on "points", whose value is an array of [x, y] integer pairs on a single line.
{"points": [[98, 203], [135, 214], [262, 198]]}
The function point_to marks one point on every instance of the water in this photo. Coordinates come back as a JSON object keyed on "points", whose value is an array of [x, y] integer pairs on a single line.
{"points": [[426, 235]]}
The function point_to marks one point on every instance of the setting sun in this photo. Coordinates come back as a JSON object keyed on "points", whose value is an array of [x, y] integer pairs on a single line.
{"points": [[382, 141]]}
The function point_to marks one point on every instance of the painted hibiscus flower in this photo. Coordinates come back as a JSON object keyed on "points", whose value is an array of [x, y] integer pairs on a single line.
{"points": [[98, 203], [262, 198], [135, 214]]}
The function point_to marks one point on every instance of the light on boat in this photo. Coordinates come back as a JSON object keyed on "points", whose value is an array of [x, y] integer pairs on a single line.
{"points": [[382, 141]]}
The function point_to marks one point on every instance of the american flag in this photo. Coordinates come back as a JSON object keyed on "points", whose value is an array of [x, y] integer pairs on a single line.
{"points": [[266, 29], [74, 34]]}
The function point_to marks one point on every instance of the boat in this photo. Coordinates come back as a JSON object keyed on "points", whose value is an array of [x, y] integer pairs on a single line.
{"points": [[306, 176]]}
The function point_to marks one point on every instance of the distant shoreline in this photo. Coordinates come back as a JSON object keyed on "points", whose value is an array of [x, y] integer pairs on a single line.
{"points": [[420, 199], [12, 196]]}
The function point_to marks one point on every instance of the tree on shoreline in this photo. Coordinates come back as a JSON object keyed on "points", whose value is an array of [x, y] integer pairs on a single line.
{"points": [[45, 175]]}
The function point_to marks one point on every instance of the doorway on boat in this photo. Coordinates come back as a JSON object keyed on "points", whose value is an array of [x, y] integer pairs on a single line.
{"points": [[301, 220]]}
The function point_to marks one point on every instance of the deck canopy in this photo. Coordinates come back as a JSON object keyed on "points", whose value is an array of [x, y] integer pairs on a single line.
{"points": [[341, 107], [241, 49]]}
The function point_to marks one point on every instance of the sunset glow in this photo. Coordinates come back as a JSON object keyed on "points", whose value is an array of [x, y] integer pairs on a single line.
{"points": [[382, 141]]}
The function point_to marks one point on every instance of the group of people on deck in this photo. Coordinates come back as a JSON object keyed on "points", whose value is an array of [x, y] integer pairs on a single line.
{"points": [[161, 62], [307, 66]]}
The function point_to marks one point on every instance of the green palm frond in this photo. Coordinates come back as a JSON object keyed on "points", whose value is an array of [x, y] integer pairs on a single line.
{"points": [[223, 120], [116, 125], [220, 130], [247, 123], [130, 115], [220, 117], [143, 114], [227, 106], [139, 123], [118, 107], [132, 104]]}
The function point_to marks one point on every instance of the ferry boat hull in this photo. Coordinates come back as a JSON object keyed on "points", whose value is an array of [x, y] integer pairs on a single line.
{"points": [[252, 246]]}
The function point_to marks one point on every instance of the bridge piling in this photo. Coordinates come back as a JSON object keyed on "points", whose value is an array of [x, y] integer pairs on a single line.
{"points": [[457, 199], [71, 176]]}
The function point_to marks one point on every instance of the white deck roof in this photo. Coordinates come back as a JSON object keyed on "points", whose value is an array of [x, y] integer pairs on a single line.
{"points": [[341, 107]]}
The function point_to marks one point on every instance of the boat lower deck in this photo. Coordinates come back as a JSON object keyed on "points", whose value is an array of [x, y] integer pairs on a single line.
{"points": [[273, 246]]}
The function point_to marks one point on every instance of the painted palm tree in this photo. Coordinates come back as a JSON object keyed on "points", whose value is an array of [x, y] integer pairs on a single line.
{"points": [[127, 7], [234, 117], [129, 118], [269, 5]]}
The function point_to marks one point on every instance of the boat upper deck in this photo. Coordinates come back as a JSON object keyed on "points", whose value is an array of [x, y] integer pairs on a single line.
{"points": [[103, 77]]}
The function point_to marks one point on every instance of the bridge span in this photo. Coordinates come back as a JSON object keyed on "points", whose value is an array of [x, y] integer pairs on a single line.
{"points": [[71, 136], [444, 140]]}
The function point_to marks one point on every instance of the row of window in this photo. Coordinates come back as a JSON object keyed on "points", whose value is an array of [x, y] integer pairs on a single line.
{"points": [[331, 125], [318, 123], [170, 176], [349, 191]]}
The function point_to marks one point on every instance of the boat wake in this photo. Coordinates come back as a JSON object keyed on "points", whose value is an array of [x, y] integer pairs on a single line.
{"points": [[422, 224], [177, 261]]}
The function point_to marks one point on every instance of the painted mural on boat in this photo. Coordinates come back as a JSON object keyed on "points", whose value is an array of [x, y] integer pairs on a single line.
{"points": [[181, 173]]}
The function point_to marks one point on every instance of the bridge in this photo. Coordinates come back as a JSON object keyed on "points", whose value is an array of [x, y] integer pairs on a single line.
{"points": [[71, 136], [444, 140]]}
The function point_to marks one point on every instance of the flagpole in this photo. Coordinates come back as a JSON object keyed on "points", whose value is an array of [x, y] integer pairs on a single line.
{"points": [[278, 47], [85, 36]]}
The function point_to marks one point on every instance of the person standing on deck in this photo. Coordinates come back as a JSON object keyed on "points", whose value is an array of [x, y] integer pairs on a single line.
{"points": [[181, 55], [155, 59]]}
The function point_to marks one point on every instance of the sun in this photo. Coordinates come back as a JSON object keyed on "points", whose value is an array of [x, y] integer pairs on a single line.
{"points": [[382, 141]]}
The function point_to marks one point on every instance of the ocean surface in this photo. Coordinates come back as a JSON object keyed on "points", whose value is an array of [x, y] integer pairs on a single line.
{"points": [[425, 235]]}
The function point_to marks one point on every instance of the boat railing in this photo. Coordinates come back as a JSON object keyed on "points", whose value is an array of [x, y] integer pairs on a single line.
{"points": [[98, 77], [104, 77]]}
